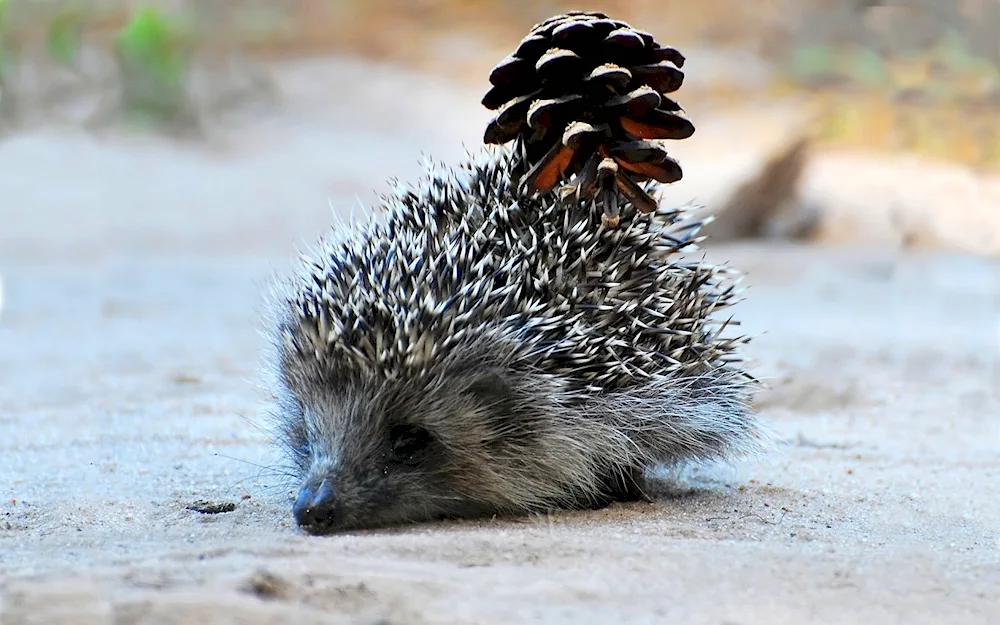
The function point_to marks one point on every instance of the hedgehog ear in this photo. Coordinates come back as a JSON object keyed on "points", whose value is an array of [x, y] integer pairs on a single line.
{"points": [[491, 389]]}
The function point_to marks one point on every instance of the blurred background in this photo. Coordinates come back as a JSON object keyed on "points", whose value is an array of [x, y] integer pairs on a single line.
{"points": [[828, 120]]}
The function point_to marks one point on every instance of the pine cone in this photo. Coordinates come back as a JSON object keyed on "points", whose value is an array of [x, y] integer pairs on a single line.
{"points": [[584, 95]]}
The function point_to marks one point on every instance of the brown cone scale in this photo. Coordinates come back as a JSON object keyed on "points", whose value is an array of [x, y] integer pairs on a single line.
{"points": [[584, 97]]}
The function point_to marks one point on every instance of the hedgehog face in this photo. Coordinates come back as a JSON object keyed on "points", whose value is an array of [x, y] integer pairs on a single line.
{"points": [[381, 453], [394, 476]]}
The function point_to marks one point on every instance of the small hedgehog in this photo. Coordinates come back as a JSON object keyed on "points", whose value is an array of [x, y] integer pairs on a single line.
{"points": [[481, 348]]}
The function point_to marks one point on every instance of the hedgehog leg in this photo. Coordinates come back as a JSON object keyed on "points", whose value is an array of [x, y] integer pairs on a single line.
{"points": [[636, 488], [627, 485]]}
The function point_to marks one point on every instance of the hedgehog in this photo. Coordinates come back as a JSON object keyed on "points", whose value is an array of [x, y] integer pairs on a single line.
{"points": [[485, 347]]}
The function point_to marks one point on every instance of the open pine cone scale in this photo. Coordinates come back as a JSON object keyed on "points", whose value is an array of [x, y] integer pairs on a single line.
{"points": [[584, 95]]}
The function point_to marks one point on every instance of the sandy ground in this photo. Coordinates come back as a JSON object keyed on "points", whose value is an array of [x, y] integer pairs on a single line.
{"points": [[131, 274]]}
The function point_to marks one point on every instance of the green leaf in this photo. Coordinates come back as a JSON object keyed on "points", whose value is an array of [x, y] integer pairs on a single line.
{"points": [[151, 50], [65, 36], [151, 43]]}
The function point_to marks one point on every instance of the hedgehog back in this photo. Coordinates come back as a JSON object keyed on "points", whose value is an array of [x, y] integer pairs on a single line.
{"points": [[461, 256]]}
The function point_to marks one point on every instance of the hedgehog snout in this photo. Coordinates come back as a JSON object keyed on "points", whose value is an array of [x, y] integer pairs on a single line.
{"points": [[317, 505]]}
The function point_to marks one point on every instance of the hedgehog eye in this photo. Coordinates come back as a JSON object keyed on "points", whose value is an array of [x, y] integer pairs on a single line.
{"points": [[408, 441], [304, 449]]}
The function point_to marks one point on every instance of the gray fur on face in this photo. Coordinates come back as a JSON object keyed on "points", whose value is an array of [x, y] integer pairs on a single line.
{"points": [[477, 352]]}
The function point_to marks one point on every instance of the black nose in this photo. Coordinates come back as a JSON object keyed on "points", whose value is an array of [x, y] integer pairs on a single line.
{"points": [[316, 504]]}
